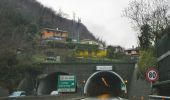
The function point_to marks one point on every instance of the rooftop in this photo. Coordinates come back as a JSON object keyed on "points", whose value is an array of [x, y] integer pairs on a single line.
{"points": [[55, 30]]}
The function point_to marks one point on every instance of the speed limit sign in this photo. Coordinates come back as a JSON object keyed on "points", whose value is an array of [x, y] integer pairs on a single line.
{"points": [[152, 75]]}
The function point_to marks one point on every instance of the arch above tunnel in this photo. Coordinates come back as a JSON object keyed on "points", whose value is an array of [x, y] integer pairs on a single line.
{"points": [[110, 74], [49, 83]]}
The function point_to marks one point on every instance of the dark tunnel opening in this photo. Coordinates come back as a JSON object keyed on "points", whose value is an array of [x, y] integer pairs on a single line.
{"points": [[49, 83], [104, 82]]}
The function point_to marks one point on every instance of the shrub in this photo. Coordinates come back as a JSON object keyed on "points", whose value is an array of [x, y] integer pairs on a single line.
{"points": [[147, 59]]}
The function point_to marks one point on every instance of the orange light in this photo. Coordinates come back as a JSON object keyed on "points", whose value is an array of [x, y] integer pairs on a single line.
{"points": [[104, 96]]}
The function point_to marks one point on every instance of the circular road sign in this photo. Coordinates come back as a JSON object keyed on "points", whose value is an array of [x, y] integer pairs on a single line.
{"points": [[152, 75]]}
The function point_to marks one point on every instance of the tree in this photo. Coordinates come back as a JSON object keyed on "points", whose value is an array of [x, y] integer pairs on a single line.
{"points": [[114, 52], [150, 18], [145, 37], [153, 13], [110, 52], [16, 31], [62, 14]]}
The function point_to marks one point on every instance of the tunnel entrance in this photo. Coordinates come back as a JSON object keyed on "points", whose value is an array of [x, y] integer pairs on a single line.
{"points": [[104, 82], [49, 83]]}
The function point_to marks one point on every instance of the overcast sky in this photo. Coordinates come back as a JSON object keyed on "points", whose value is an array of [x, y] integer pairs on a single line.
{"points": [[102, 17]]}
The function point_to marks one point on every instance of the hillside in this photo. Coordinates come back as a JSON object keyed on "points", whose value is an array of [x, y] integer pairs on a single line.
{"points": [[20, 25], [41, 17]]}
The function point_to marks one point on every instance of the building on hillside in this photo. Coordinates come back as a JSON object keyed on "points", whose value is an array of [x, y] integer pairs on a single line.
{"points": [[92, 42], [90, 48], [91, 53], [132, 52], [54, 34], [88, 41], [119, 49]]}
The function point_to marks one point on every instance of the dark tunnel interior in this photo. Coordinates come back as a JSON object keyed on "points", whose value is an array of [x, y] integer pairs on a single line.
{"points": [[49, 83], [104, 83]]}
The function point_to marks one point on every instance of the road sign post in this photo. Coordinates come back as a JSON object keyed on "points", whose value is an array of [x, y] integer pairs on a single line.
{"points": [[152, 75]]}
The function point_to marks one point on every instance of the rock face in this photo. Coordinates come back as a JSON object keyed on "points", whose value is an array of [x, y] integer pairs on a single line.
{"points": [[28, 84], [3, 92]]}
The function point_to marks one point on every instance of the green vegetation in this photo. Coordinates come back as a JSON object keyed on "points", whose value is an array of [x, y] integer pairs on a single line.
{"points": [[20, 25], [151, 19], [13, 67], [113, 54], [69, 45], [96, 60], [16, 32], [147, 59], [145, 38]]}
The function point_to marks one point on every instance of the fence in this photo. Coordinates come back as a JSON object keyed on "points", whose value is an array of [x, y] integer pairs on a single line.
{"points": [[163, 58], [155, 97], [163, 53]]}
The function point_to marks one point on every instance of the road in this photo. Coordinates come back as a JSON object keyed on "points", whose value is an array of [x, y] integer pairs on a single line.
{"points": [[66, 97], [103, 97], [47, 97], [93, 98]]}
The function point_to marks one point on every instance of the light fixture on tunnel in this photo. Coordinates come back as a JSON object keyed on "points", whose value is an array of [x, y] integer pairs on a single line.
{"points": [[104, 81], [84, 81], [126, 81]]}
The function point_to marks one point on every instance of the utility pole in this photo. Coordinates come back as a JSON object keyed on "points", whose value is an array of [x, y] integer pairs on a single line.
{"points": [[78, 33], [73, 27]]}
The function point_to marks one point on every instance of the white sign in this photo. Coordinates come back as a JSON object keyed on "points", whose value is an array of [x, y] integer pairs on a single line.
{"points": [[152, 75], [67, 77], [104, 68]]}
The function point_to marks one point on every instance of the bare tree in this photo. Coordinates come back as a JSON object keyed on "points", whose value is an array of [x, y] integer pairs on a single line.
{"points": [[61, 13], [151, 12]]}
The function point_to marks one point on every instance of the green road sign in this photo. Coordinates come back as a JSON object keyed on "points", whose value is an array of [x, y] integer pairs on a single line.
{"points": [[123, 87], [66, 83]]}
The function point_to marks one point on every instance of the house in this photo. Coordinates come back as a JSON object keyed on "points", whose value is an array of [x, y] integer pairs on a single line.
{"points": [[54, 34], [88, 41], [91, 53], [118, 49], [132, 52], [92, 42], [90, 48]]}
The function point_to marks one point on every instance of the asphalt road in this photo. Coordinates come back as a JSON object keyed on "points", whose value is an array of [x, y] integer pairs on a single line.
{"points": [[103, 97], [47, 97], [65, 97], [93, 98]]}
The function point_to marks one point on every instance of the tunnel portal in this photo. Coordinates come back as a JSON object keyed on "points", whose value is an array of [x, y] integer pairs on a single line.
{"points": [[104, 82], [49, 83]]}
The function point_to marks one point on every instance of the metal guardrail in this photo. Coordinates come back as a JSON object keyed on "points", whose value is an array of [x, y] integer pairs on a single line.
{"points": [[47, 97], [163, 56], [156, 97]]}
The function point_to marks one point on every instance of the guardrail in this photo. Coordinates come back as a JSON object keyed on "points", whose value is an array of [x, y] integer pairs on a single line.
{"points": [[156, 97], [47, 97]]}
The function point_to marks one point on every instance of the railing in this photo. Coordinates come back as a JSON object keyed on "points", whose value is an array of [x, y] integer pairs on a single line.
{"points": [[156, 97]]}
